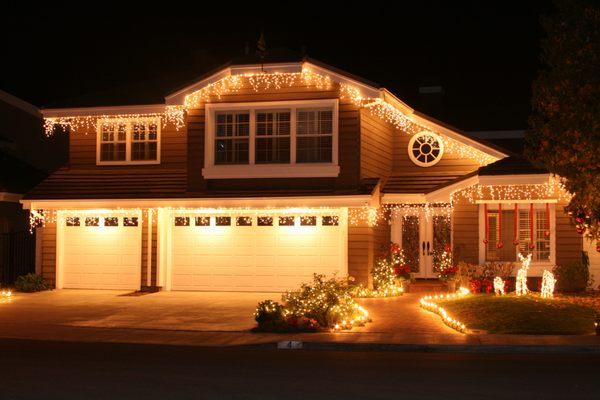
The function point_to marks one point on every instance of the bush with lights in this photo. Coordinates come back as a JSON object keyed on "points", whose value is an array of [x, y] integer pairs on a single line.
{"points": [[447, 271], [324, 303]]}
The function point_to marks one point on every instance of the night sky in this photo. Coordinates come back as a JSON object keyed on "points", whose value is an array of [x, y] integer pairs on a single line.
{"points": [[484, 55]]}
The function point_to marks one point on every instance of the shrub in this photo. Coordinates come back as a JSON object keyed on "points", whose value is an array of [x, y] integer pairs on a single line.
{"points": [[268, 311], [572, 277], [383, 274], [31, 283], [327, 301]]}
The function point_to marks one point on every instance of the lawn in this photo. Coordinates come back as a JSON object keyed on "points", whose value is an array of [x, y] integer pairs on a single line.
{"points": [[522, 315]]}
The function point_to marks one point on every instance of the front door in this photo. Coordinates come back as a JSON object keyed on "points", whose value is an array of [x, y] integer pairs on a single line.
{"points": [[423, 235]]}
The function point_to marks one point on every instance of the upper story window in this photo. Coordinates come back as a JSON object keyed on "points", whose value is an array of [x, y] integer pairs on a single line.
{"points": [[246, 140], [124, 142]]}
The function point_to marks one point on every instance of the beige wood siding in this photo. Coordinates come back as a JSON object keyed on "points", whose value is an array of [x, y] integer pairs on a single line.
{"points": [[465, 231], [569, 243], [365, 246], [48, 249], [376, 146]]}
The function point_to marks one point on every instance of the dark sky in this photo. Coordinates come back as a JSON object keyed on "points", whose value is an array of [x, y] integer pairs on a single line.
{"points": [[484, 54]]}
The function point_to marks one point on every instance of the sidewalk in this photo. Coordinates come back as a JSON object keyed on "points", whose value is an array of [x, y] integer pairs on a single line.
{"points": [[191, 319]]}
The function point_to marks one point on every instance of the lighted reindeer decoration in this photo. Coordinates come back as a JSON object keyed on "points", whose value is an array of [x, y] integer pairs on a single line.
{"points": [[521, 281]]}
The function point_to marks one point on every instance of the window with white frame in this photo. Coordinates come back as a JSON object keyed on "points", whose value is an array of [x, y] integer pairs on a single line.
{"points": [[314, 136], [246, 139], [113, 141], [504, 240], [134, 141], [232, 137], [273, 130]]}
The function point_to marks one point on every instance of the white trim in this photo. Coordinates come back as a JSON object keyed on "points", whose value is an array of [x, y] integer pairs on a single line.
{"points": [[101, 111], [271, 171], [10, 197], [217, 202], [534, 201], [517, 179], [149, 249], [443, 194], [252, 170], [129, 141], [366, 90]]}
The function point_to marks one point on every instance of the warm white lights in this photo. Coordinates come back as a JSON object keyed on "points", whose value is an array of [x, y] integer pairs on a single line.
{"points": [[521, 280], [548, 282], [499, 286], [173, 114], [430, 303]]}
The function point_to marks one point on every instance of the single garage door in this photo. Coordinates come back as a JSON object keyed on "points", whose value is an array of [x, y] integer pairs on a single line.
{"points": [[254, 252], [101, 252]]}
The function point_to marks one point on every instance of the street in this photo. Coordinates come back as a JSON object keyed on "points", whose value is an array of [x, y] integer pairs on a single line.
{"points": [[38, 369]]}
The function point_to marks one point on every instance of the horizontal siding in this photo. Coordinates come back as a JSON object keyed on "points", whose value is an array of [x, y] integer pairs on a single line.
{"points": [[376, 145], [465, 232], [569, 243], [48, 249]]}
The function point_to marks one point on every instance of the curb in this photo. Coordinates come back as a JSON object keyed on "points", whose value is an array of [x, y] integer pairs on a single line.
{"points": [[427, 348]]}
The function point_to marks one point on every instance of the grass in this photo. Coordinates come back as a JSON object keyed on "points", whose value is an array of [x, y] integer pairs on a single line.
{"points": [[529, 315]]}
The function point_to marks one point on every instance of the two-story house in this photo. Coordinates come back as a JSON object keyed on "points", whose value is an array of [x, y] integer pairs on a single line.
{"points": [[256, 176]]}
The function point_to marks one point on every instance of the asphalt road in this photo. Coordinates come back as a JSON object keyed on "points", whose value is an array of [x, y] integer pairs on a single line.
{"points": [[30, 369]]}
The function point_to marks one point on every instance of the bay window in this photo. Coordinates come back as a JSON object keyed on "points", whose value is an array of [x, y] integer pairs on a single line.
{"points": [[247, 140], [516, 232], [128, 142]]}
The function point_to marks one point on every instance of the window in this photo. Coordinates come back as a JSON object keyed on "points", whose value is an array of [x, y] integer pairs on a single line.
{"points": [[92, 221], [286, 221], [182, 221], [144, 142], [130, 221], [72, 221], [113, 142], [223, 221], [243, 221], [232, 137], [245, 140], [425, 149], [273, 130], [264, 221], [129, 142], [330, 220], [504, 231], [111, 221], [314, 136], [308, 221], [202, 221]]}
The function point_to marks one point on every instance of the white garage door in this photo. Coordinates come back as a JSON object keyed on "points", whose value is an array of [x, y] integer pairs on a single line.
{"points": [[256, 253], [101, 253]]}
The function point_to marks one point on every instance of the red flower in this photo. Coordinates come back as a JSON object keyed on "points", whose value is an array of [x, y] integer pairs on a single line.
{"points": [[394, 248]]}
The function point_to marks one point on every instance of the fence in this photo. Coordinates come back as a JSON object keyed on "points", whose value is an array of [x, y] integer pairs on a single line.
{"points": [[17, 255]]}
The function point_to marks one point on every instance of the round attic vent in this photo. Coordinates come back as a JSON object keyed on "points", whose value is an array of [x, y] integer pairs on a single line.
{"points": [[425, 149]]}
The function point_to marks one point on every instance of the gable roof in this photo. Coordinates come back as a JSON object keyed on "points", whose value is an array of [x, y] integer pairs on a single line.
{"points": [[128, 98], [16, 175]]}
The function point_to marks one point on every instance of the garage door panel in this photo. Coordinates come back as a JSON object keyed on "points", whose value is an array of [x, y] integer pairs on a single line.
{"points": [[254, 258], [101, 257]]}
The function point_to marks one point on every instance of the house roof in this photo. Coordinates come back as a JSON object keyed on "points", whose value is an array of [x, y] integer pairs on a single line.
{"points": [[418, 182], [154, 183], [513, 165], [16, 175]]}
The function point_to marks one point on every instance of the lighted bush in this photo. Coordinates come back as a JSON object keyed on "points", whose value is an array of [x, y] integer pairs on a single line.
{"points": [[31, 283], [268, 311], [327, 301], [384, 275]]}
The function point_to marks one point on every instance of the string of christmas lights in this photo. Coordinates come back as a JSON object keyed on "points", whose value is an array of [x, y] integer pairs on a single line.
{"points": [[429, 303]]}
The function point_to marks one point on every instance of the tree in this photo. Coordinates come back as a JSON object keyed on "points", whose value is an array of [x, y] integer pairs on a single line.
{"points": [[564, 134]]}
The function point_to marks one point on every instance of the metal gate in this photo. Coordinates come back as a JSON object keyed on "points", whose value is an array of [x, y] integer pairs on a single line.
{"points": [[17, 255]]}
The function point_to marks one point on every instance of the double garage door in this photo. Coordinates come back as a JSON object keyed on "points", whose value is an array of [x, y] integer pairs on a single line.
{"points": [[248, 252], [254, 252]]}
